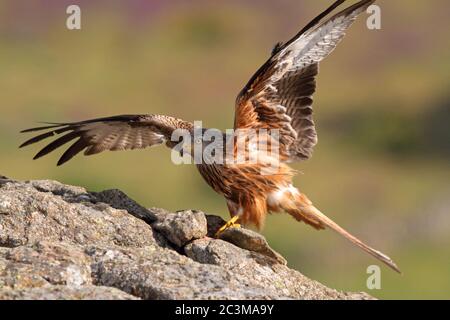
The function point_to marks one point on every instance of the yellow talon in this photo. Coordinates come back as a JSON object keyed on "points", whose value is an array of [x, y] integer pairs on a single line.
{"points": [[230, 223]]}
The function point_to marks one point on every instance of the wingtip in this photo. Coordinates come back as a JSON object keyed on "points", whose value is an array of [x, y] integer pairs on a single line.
{"points": [[49, 125], [389, 262], [396, 268], [26, 143], [61, 161]]}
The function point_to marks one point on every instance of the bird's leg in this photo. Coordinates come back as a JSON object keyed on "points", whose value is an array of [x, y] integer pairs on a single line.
{"points": [[229, 224]]}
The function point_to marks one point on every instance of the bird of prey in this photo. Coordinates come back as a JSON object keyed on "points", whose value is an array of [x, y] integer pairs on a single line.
{"points": [[278, 96]]}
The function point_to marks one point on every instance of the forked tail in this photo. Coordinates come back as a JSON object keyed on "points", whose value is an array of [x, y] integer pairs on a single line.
{"points": [[305, 211]]}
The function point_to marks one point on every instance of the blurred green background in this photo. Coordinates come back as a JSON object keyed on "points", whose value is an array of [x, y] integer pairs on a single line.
{"points": [[382, 108]]}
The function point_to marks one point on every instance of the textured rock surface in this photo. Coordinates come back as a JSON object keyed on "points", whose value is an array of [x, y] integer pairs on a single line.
{"points": [[65, 293], [182, 226], [62, 242]]}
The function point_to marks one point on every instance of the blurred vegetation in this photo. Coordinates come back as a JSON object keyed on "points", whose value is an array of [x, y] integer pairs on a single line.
{"points": [[382, 108]]}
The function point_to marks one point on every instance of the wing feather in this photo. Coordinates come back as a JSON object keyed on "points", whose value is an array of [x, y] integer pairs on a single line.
{"points": [[280, 93], [124, 132]]}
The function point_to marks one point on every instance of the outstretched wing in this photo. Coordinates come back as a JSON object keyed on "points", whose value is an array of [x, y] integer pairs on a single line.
{"points": [[279, 95], [122, 132]]}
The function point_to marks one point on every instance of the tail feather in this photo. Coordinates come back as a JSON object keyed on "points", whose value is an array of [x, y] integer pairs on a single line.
{"points": [[306, 212]]}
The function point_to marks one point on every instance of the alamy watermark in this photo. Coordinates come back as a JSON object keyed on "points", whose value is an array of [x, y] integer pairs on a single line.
{"points": [[374, 280], [373, 22], [73, 21]]}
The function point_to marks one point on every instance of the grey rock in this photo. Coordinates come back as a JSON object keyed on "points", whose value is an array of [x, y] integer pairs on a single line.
{"points": [[63, 242], [261, 273], [159, 273], [66, 293], [214, 224], [119, 200], [182, 226], [243, 238], [47, 210], [251, 240], [44, 263]]}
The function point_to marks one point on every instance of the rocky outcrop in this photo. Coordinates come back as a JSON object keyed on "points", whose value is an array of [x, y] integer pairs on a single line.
{"points": [[62, 242]]}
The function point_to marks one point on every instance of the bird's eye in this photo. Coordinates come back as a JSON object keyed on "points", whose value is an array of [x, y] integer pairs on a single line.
{"points": [[198, 141]]}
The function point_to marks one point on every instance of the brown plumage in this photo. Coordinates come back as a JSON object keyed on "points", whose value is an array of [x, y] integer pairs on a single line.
{"points": [[278, 96]]}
